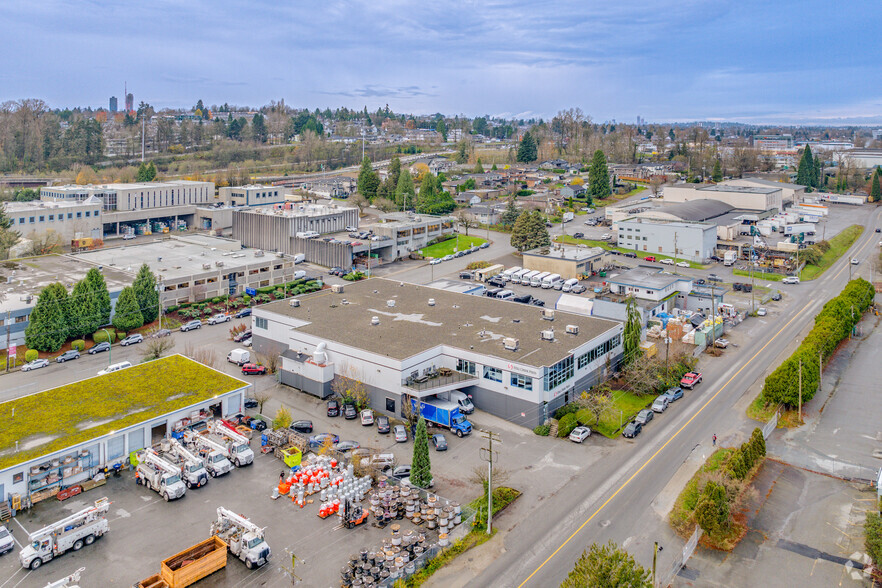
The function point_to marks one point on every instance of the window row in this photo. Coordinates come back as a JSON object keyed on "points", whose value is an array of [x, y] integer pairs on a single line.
{"points": [[599, 351]]}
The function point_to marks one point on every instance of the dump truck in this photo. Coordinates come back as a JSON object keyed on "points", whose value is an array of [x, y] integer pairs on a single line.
{"points": [[237, 445], [244, 539], [189, 566], [193, 471], [214, 455], [159, 475], [442, 413], [69, 534]]}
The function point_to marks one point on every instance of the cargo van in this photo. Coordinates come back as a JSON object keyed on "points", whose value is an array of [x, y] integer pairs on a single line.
{"points": [[536, 280], [299, 258], [239, 356], [299, 275], [115, 367], [568, 285], [510, 272], [527, 278], [505, 295], [518, 275], [306, 235], [464, 402], [549, 281]]}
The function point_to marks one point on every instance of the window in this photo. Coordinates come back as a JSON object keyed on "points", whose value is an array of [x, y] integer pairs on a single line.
{"points": [[88, 213], [390, 405], [260, 322], [559, 373], [524, 382], [21, 220], [465, 366], [42, 218], [79, 215], [51, 217], [96, 213], [492, 373], [22, 319], [69, 215], [18, 478]]}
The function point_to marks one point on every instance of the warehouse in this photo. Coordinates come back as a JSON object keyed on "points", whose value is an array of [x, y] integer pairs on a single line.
{"points": [[60, 438], [751, 197], [569, 262], [403, 340], [693, 241]]}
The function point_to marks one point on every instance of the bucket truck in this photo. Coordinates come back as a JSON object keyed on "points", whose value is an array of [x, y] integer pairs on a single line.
{"points": [[244, 538], [70, 533], [192, 469], [237, 444], [214, 455], [159, 475]]}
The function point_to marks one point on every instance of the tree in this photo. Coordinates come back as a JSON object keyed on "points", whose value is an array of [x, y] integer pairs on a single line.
{"points": [[875, 189], [421, 470], [529, 232], [528, 151], [359, 201], [90, 304], [258, 128], [147, 293], [394, 172], [607, 567], [632, 331], [141, 176], [510, 215], [155, 348], [712, 509], [282, 419], [368, 181], [127, 315], [466, 221], [441, 128], [806, 171], [598, 177], [479, 169], [47, 329], [404, 190], [717, 174]]}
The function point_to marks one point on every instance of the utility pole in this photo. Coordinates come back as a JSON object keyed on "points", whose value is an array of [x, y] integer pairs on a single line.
{"points": [[713, 318], [142, 139], [800, 391], [487, 455], [654, 557], [7, 338]]}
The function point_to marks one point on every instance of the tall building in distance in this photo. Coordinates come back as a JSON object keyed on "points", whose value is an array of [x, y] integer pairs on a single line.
{"points": [[113, 104], [130, 102]]}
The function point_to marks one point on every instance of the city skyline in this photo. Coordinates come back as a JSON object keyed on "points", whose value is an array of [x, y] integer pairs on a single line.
{"points": [[669, 61]]}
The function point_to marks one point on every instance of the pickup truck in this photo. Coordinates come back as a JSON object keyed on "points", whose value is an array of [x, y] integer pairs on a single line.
{"points": [[690, 379]]}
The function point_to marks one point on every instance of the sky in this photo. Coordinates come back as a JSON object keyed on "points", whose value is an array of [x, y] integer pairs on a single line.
{"points": [[764, 62]]}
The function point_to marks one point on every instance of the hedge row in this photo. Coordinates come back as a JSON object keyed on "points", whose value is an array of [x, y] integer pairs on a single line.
{"points": [[833, 324], [745, 457]]}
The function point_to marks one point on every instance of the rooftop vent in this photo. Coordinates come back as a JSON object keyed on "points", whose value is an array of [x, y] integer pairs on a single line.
{"points": [[510, 343], [218, 264], [548, 335], [258, 253], [573, 329], [548, 314], [431, 302], [375, 320], [294, 302], [390, 303]]}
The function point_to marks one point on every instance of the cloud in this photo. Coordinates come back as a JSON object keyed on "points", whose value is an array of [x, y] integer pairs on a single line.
{"points": [[375, 91]]}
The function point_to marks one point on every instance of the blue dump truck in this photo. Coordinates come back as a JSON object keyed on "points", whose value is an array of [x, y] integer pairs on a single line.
{"points": [[442, 413]]}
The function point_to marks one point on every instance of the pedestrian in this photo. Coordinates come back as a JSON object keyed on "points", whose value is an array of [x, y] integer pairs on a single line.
{"points": [[281, 477], [715, 439]]}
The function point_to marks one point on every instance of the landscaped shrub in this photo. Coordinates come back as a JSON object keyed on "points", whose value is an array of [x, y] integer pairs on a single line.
{"points": [[246, 299], [101, 336], [585, 416], [745, 457], [353, 276], [79, 345], [566, 409], [566, 425], [120, 335], [542, 430], [31, 355], [478, 265], [171, 309]]}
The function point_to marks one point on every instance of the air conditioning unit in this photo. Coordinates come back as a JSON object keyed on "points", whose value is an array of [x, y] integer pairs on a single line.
{"points": [[375, 320], [337, 288], [258, 253], [573, 329], [206, 266], [510, 343], [548, 335], [390, 303], [218, 264], [548, 314], [294, 302]]}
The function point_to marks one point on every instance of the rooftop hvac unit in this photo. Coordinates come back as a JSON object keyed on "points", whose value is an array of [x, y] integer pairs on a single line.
{"points": [[258, 253], [294, 302], [548, 314], [510, 343], [218, 264], [390, 303], [573, 329], [337, 288], [375, 320], [431, 302], [206, 266], [548, 335]]}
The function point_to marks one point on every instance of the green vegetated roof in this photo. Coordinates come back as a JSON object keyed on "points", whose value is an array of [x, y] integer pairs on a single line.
{"points": [[90, 408]]}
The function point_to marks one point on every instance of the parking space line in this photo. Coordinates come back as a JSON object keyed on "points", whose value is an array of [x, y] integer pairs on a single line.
{"points": [[25, 577], [22, 528], [13, 577]]}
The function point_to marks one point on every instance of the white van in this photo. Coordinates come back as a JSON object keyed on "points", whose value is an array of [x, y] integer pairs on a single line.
{"points": [[511, 272], [239, 356], [463, 401], [518, 275], [299, 275], [550, 281], [115, 367], [299, 258], [505, 295], [568, 285], [306, 235], [527, 277], [536, 280]]}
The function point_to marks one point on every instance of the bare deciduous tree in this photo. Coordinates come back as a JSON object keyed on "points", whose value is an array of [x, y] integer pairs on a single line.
{"points": [[480, 474], [204, 355], [271, 359], [155, 348], [465, 220]]}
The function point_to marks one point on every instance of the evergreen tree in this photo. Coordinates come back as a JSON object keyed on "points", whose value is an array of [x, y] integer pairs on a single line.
{"points": [[404, 191], [394, 171], [875, 190], [511, 214], [47, 329], [806, 171], [816, 176], [148, 296], [141, 176], [441, 127], [127, 315], [717, 174], [479, 169], [528, 151], [462, 152], [427, 188], [598, 177], [421, 470], [631, 334], [712, 509], [151, 171], [368, 181], [607, 567], [99, 295], [84, 311], [529, 232], [494, 168]]}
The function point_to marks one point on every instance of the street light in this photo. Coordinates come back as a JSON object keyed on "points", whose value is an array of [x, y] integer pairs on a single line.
{"points": [[109, 346]]}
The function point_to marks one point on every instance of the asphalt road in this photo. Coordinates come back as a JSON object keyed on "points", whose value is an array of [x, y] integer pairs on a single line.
{"points": [[612, 500]]}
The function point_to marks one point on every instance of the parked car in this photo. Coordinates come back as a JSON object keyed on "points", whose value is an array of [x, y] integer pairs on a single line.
{"points": [[7, 543], [69, 354], [35, 365], [197, 324], [714, 278], [132, 339], [401, 472], [660, 404], [668, 262], [435, 261], [99, 347], [854, 261], [252, 369], [578, 235], [128, 236], [350, 412], [400, 434], [497, 281], [790, 280], [630, 254], [632, 430], [537, 302], [303, 426], [219, 318], [577, 289], [351, 229], [649, 258], [447, 258], [161, 333], [700, 282], [251, 403], [776, 296], [243, 313], [344, 446], [247, 342], [579, 434], [367, 417], [383, 424], [333, 408], [485, 245], [337, 271], [524, 299], [242, 336], [439, 441], [878, 230], [690, 379], [673, 394], [605, 237], [319, 440], [721, 343], [682, 264], [465, 275], [644, 416]]}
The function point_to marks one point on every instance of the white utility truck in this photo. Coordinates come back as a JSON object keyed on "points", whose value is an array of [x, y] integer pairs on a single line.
{"points": [[193, 470], [161, 476], [70, 533], [214, 455], [237, 444], [244, 538]]}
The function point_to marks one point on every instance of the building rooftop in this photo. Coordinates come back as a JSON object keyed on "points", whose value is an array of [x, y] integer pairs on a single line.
{"points": [[567, 253], [300, 210], [51, 420], [740, 189], [697, 210], [50, 204], [646, 277], [773, 183], [132, 186], [411, 326]]}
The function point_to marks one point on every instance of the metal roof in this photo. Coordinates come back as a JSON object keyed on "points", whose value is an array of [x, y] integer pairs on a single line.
{"points": [[697, 210]]}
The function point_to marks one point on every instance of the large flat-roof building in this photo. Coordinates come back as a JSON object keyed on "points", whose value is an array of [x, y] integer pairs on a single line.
{"points": [[754, 197], [790, 193], [569, 262], [66, 219], [693, 241], [395, 337], [251, 195]]}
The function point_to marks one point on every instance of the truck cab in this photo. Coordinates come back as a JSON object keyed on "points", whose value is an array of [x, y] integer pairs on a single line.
{"points": [[464, 402], [255, 551], [217, 464], [240, 453], [169, 486], [194, 474]]}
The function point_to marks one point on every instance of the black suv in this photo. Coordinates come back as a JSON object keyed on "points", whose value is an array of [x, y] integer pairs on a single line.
{"points": [[496, 281], [465, 275], [632, 430], [524, 299], [333, 408]]}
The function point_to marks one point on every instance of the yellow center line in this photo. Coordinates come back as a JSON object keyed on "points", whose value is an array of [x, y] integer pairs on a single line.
{"points": [[674, 436]]}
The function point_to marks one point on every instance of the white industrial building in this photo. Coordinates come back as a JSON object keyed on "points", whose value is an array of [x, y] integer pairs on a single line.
{"points": [[251, 195], [66, 219], [693, 241], [403, 340], [790, 193], [753, 197]]}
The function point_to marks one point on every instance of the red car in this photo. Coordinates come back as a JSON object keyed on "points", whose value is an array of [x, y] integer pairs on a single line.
{"points": [[690, 380], [253, 369], [649, 258]]}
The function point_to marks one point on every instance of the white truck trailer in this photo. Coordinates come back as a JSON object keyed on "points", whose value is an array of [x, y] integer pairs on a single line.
{"points": [[193, 471], [245, 539], [70, 533], [730, 257], [161, 476], [237, 444], [214, 455]]}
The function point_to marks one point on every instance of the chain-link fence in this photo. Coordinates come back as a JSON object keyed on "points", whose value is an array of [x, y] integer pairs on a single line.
{"points": [[665, 579]]}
